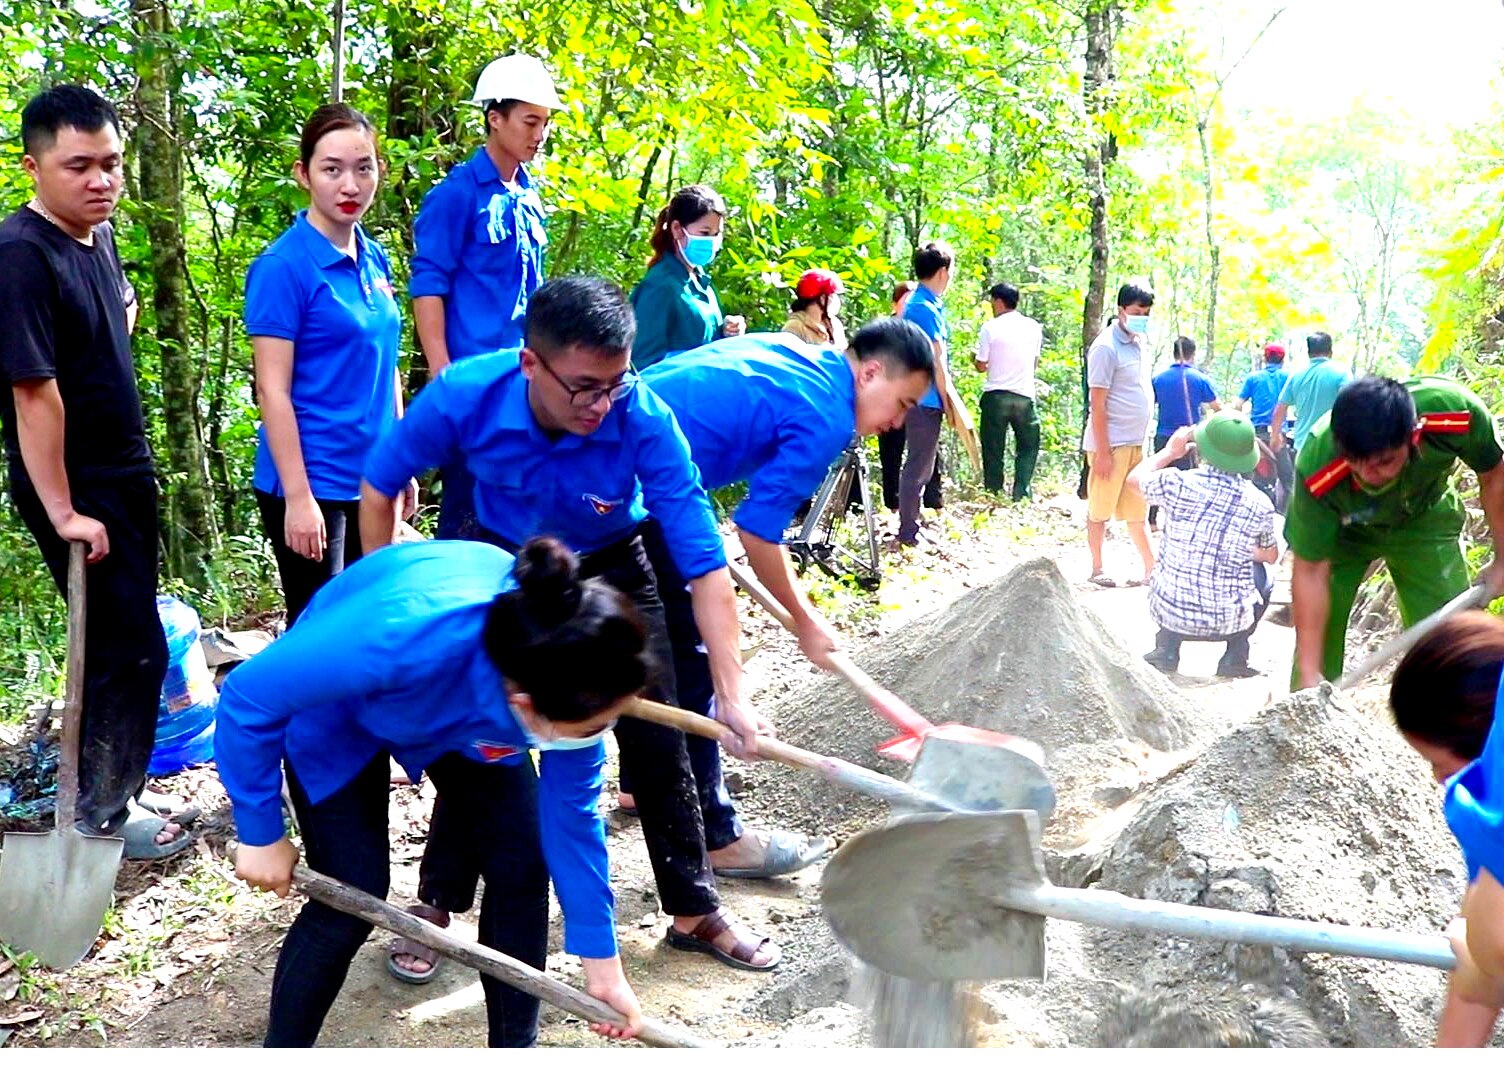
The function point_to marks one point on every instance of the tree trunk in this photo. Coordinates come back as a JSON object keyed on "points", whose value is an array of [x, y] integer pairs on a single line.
{"points": [[1213, 248], [190, 530], [1099, 75]]}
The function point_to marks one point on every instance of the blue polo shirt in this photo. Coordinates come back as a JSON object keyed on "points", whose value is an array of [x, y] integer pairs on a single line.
{"points": [[926, 310], [1312, 392], [410, 677], [676, 311], [766, 408], [588, 491], [1181, 391], [1264, 388], [344, 324], [1474, 804], [479, 244]]}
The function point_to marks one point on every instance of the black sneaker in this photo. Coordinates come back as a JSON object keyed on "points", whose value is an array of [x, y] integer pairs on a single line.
{"points": [[1162, 660], [1236, 671]]}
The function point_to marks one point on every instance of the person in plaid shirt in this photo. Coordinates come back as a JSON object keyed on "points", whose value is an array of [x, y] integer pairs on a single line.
{"points": [[1217, 525]]}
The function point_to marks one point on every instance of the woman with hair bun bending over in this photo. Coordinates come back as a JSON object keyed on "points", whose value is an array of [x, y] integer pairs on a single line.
{"points": [[454, 659]]}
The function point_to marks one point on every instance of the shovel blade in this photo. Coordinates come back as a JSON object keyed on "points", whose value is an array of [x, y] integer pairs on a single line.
{"points": [[918, 898], [982, 771], [54, 890]]}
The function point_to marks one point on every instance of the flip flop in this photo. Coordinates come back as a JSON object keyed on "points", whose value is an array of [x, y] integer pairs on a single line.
{"points": [[1135, 583], [166, 807], [400, 945], [140, 833], [787, 852], [1102, 579], [702, 940]]}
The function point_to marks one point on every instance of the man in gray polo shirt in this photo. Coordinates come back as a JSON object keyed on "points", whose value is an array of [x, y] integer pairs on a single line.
{"points": [[1117, 377]]}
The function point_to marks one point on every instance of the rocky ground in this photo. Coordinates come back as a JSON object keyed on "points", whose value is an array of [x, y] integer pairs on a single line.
{"points": [[1185, 788]]}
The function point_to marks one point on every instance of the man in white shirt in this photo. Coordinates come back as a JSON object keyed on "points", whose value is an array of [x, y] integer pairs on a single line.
{"points": [[1008, 352]]}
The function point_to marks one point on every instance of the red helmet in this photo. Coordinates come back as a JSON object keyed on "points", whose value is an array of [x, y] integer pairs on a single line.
{"points": [[1275, 350], [817, 282]]}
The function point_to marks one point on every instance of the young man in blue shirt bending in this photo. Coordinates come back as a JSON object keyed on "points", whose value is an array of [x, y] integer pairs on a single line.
{"points": [[776, 412]]}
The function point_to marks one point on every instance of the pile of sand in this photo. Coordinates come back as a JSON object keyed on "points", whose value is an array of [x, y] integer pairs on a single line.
{"points": [[1020, 655], [1310, 809]]}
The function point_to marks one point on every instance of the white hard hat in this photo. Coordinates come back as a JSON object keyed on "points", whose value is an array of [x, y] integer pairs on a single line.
{"points": [[517, 78]]}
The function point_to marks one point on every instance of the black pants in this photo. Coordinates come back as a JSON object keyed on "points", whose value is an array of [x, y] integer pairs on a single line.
{"points": [[890, 447], [1167, 642], [1182, 463], [667, 799], [495, 807], [303, 577], [1284, 471], [695, 689], [126, 652]]}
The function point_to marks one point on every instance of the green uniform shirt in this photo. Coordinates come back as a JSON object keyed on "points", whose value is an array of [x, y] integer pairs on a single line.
{"points": [[1330, 509], [676, 311]]}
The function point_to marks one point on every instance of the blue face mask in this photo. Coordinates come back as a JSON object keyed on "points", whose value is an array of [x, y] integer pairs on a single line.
{"points": [[543, 745], [1138, 323], [700, 250]]}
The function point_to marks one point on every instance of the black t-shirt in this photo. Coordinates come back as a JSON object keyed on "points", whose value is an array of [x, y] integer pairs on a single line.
{"points": [[62, 317]]}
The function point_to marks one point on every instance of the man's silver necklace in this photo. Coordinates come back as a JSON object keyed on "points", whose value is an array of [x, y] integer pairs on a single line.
{"points": [[36, 206]]}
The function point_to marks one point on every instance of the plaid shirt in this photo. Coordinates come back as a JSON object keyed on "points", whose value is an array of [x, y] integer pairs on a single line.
{"points": [[1202, 584]]}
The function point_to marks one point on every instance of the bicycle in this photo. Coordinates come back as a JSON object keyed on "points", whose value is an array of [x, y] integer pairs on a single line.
{"points": [[828, 537]]}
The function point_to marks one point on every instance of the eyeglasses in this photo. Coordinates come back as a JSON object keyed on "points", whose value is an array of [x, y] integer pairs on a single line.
{"points": [[585, 398]]}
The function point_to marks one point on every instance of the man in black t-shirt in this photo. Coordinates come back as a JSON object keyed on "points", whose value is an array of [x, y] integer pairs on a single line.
{"points": [[75, 443]]}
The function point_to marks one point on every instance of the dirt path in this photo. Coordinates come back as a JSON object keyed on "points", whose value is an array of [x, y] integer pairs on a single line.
{"points": [[192, 952]]}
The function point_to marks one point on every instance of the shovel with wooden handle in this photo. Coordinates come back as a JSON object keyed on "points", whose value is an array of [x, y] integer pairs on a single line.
{"points": [[521, 976], [943, 778], [913, 728], [951, 897], [56, 886]]}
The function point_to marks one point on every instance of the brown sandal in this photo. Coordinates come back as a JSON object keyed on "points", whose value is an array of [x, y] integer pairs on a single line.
{"points": [[401, 946], [741, 956]]}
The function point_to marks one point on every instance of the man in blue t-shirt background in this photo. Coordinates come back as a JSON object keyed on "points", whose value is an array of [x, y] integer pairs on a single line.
{"points": [[1262, 391], [1180, 393]]}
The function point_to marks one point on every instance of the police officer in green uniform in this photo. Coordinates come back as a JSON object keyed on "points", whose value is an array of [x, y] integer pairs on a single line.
{"points": [[1374, 481]]}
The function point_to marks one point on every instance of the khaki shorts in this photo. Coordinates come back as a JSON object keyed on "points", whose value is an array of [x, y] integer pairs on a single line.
{"points": [[1111, 497]]}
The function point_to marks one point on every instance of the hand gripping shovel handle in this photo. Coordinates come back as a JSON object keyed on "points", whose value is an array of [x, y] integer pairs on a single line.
{"points": [[831, 769], [519, 975], [1472, 598], [883, 701], [66, 809]]}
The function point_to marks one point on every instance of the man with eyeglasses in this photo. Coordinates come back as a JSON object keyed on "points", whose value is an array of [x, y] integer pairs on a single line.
{"points": [[563, 440]]}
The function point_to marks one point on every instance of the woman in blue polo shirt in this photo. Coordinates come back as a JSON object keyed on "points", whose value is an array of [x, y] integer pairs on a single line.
{"points": [[1447, 704], [324, 327], [457, 660], [676, 305]]}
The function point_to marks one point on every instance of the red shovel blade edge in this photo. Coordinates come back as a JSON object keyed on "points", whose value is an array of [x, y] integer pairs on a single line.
{"points": [[905, 748]]}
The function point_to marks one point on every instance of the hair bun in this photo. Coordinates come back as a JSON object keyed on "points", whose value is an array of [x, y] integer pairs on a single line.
{"points": [[547, 574]]}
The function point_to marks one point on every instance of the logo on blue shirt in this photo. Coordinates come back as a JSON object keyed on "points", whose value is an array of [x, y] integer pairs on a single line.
{"points": [[601, 507], [495, 751]]}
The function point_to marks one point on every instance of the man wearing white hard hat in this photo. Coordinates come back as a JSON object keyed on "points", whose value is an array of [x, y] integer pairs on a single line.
{"points": [[479, 242], [478, 252]]}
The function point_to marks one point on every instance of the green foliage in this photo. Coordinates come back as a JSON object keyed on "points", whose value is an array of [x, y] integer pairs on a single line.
{"points": [[843, 132]]}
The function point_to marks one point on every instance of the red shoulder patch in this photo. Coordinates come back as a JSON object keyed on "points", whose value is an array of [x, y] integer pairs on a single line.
{"points": [[1328, 477], [1451, 422]]}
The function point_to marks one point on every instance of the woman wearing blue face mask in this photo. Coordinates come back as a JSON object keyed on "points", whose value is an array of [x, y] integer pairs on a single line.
{"points": [[676, 305], [454, 659]]}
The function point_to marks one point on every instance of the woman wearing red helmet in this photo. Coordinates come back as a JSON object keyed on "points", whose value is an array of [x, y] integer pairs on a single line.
{"points": [[813, 313]]}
